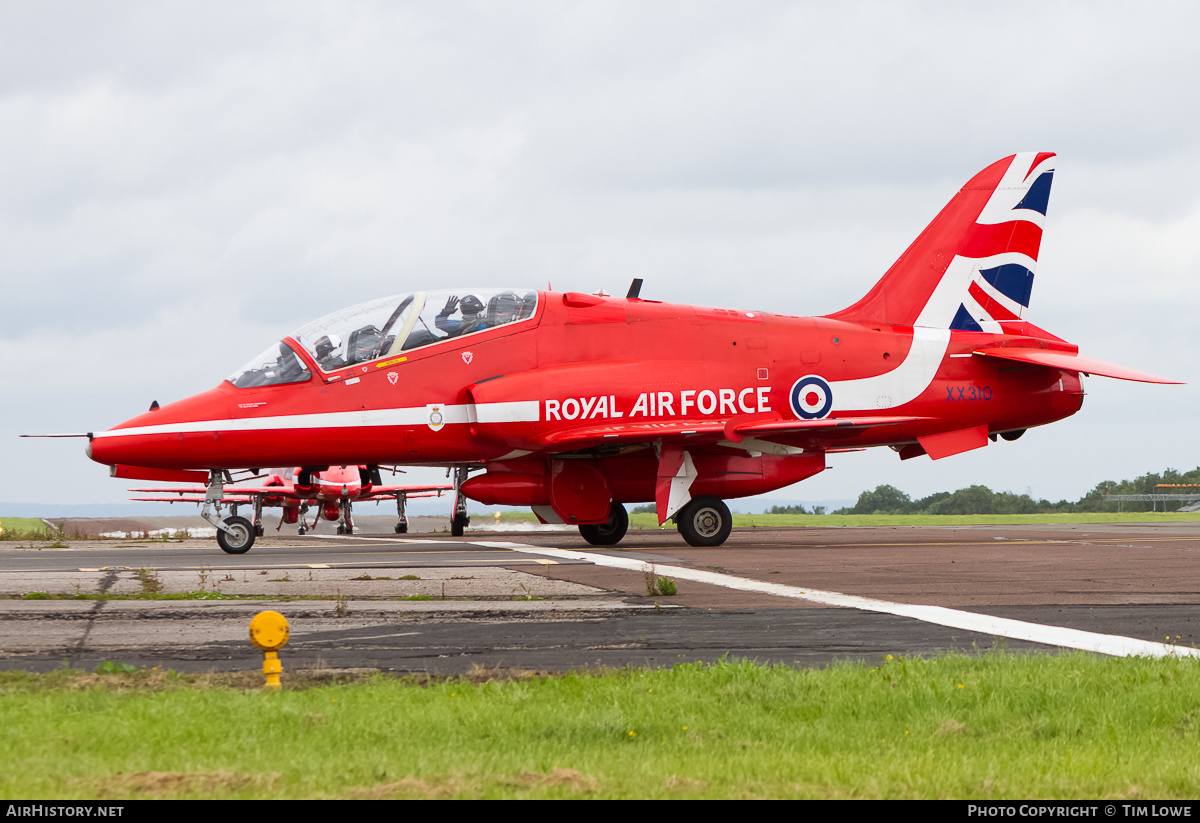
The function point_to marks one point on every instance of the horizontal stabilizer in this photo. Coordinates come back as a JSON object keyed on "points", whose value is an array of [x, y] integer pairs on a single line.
{"points": [[1074, 362]]}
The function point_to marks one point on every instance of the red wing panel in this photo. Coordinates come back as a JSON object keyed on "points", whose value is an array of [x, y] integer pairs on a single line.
{"points": [[1074, 362], [266, 491], [411, 490], [159, 475], [794, 426], [224, 500], [615, 433], [703, 431]]}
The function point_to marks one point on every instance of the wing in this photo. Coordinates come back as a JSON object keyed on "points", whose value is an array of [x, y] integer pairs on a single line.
{"points": [[224, 500], [412, 490], [703, 431], [268, 491]]}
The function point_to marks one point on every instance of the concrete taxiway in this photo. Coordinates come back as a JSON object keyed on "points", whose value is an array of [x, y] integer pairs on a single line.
{"points": [[549, 601]]}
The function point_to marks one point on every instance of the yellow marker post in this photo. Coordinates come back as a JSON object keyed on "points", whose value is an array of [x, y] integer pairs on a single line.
{"points": [[269, 632]]}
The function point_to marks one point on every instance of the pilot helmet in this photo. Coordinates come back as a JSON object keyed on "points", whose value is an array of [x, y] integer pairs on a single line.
{"points": [[327, 345], [470, 305]]}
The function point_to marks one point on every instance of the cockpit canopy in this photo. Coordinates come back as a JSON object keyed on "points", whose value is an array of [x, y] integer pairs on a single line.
{"points": [[384, 327]]}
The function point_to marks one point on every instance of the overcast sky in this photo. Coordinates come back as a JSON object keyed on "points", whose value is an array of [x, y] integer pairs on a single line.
{"points": [[183, 182]]}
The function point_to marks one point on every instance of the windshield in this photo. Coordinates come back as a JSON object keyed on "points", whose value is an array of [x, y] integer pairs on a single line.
{"points": [[404, 322], [278, 364]]}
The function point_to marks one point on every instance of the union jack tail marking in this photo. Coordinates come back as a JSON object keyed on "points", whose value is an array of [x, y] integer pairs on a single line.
{"points": [[973, 266]]}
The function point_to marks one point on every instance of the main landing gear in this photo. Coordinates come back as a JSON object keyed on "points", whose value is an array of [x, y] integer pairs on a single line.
{"points": [[704, 521], [610, 532], [460, 520], [401, 516], [346, 524]]}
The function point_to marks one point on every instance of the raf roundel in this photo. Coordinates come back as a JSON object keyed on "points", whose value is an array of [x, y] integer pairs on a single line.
{"points": [[811, 397]]}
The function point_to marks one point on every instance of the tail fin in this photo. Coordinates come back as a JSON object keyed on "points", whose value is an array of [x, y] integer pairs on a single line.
{"points": [[973, 265]]}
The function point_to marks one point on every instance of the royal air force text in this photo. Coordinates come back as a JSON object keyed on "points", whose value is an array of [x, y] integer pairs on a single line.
{"points": [[662, 404]]}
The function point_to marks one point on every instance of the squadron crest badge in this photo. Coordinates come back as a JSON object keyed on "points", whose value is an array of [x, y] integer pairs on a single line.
{"points": [[436, 418]]}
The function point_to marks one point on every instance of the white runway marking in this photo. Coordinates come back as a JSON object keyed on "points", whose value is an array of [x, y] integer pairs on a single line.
{"points": [[1018, 630]]}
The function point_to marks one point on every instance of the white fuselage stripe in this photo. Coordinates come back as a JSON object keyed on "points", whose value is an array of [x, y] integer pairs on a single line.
{"points": [[519, 412], [902, 384], [1110, 644]]}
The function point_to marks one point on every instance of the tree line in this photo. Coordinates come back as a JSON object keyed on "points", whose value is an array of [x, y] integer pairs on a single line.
{"points": [[982, 500]]}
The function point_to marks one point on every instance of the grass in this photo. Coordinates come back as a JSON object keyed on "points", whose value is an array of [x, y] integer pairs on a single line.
{"points": [[998, 726], [860, 520], [193, 594], [26, 528], [650, 521]]}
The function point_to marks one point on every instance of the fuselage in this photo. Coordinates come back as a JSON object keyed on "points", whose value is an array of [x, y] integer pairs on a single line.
{"points": [[575, 404], [613, 367]]}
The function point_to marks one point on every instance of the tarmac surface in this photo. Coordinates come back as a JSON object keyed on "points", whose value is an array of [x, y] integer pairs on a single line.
{"points": [[546, 600]]}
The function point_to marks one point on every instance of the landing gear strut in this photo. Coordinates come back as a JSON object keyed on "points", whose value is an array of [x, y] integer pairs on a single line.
{"points": [[235, 535], [460, 520], [401, 517], [346, 526]]}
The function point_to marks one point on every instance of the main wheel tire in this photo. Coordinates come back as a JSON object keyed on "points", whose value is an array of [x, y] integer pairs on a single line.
{"points": [[239, 538], [401, 528], [458, 525], [705, 521], [610, 532]]}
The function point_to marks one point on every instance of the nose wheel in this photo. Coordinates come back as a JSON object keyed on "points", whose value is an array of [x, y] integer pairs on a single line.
{"points": [[239, 538]]}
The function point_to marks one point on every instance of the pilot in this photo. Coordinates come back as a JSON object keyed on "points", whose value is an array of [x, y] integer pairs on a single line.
{"points": [[289, 367], [328, 348], [473, 318]]}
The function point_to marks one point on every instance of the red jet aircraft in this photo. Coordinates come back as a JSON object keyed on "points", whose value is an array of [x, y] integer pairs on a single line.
{"points": [[333, 491], [576, 404]]}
